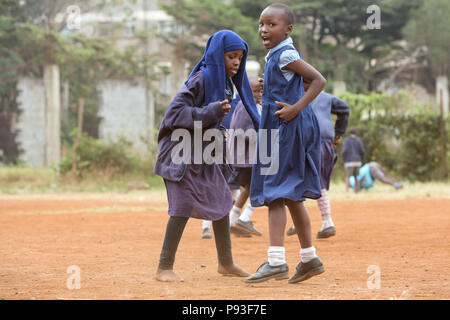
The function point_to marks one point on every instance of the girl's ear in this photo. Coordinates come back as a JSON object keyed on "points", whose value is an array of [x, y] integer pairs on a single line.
{"points": [[289, 29]]}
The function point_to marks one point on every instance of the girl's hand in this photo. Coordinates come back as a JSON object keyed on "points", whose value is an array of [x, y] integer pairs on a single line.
{"points": [[287, 112], [225, 106], [336, 141]]}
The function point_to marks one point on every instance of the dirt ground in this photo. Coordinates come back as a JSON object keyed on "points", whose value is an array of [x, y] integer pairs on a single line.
{"points": [[114, 242]]}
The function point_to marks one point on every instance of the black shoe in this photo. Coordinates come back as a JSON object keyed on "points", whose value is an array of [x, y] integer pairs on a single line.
{"points": [[240, 233], [326, 233], [266, 272], [307, 270], [206, 233], [291, 231], [247, 226]]}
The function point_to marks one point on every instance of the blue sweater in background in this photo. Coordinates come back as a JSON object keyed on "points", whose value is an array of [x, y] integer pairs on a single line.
{"points": [[326, 104]]}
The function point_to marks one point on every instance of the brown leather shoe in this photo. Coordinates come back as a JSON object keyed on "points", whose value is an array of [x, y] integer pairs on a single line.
{"points": [[266, 272], [304, 271], [326, 233]]}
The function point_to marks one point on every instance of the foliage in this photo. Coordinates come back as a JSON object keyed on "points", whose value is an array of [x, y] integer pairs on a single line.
{"points": [[201, 18], [429, 26], [331, 34], [28, 41], [93, 155]]}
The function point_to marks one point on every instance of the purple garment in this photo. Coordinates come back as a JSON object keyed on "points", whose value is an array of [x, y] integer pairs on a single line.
{"points": [[203, 193], [185, 108], [328, 160], [193, 190], [241, 120]]}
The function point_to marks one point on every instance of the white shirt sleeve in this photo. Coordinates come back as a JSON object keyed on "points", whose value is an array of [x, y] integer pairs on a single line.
{"points": [[287, 57]]}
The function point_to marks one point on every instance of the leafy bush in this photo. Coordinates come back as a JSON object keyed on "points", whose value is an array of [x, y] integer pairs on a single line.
{"points": [[93, 155]]}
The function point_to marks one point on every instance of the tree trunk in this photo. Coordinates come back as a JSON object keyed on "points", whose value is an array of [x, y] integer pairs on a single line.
{"points": [[79, 134]]}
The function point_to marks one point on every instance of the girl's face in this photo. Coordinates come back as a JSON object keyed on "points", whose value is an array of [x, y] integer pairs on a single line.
{"points": [[256, 88], [273, 28], [233, 61]]}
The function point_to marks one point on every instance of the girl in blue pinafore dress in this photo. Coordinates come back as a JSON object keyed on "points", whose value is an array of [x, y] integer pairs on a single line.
{"points": [[292, 143], [199, 190]]}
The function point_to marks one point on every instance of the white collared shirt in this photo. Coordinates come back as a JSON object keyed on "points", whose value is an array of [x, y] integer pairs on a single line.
{"points": [[286, 57]]}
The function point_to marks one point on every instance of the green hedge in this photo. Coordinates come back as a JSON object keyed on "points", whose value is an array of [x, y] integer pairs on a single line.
{"points": [[94, 155], [401, 134]]}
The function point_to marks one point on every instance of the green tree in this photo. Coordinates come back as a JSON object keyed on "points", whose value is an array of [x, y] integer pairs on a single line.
{"points": [[429, 27], [197, 19], [29, 40], [331, 34]]}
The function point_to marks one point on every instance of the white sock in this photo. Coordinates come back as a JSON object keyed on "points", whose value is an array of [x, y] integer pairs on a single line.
{"points": [[327, 223], [308, 254], [206, 224], [247, 214], [234, 214], [276, 256], [325, 210]]}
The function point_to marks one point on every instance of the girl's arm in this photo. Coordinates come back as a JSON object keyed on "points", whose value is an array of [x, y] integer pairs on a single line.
{"points": [[316, 84], [181, 112]]}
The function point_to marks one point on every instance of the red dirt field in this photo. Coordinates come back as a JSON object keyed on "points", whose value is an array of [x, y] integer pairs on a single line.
{"points": [[115, 242]]}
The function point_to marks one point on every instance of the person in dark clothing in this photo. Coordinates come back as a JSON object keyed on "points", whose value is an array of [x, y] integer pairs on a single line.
{"points": [[353, 156]]}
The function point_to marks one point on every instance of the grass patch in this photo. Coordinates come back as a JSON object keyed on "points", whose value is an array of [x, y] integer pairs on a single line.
{"points": [[436, 190], [24, 180]]}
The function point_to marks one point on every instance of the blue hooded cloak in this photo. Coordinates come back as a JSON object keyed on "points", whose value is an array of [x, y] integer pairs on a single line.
{"points": [[213, 66]]}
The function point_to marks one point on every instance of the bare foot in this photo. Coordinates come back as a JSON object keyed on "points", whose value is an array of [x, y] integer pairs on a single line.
{"points": [[168, 276], [232, 270]]}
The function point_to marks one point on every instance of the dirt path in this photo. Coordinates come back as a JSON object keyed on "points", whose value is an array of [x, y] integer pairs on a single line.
{"points": [[115, 242]]}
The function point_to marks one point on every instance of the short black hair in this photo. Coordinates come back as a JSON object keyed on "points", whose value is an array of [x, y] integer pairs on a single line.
{"points": [[289, 17]]}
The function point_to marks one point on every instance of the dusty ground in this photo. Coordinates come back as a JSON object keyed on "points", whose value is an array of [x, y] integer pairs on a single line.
{"points": [[115, 241]]}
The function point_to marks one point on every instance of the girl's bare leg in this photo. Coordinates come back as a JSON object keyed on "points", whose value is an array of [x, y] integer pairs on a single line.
{"points": [[242, 198], [277, 222], [302, 222]]}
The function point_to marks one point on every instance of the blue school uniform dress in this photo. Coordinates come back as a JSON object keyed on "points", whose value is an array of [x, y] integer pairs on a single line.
{"points": [[200, 190], [297, 176]]}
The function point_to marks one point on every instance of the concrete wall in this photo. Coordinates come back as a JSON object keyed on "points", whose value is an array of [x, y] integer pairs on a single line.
{"points": [[442, 93], [52, 115], [123, 112], [31, 121]]}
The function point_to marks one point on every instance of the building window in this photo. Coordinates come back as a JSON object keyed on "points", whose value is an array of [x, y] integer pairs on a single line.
{"points": [[129, 29], [104, 29]]}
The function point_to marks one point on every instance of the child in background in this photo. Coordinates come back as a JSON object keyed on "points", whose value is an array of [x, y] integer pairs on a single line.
{"points": [[324, 105], [286, 113], [242, 167], [353, 156], [200, 190], [374, 171]]}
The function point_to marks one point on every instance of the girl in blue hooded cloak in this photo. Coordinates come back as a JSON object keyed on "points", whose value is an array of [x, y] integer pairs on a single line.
{"points": [[200, 190]]}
